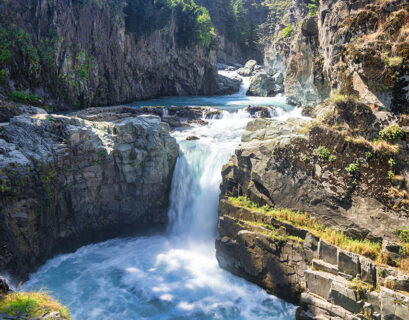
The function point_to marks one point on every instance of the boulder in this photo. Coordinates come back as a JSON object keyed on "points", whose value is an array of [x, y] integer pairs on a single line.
{"points": [[265, 85], [249, 69], [227, 85]]}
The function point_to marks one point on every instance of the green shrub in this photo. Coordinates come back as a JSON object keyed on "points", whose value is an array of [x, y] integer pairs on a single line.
{"points": [[368, 154], [24, 97], [353, 168], [313, 7], [323, 152], [391, 175], [392, 163], [287, 31], [403, 234], [393, 132], [332, 158]]}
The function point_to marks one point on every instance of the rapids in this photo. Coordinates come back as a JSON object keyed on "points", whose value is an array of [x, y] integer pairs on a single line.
{"points": [[173, 275]]}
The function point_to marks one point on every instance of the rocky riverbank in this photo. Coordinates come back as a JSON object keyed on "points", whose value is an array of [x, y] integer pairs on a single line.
{"points": [[295, 263], [66, 181]]}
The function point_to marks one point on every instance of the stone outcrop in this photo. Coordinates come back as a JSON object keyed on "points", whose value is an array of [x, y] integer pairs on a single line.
{"points": [[291, 262], [251, 68], [264, 85], [227, 85], [281, 164], [102, 62], [66, 181]]}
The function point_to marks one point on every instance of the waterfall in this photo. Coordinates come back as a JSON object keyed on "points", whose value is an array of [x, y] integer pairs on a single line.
{"points": [[197, 177], [170, 276]]}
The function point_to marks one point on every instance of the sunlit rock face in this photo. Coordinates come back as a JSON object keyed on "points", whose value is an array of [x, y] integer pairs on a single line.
{"points": [[65, 180]]}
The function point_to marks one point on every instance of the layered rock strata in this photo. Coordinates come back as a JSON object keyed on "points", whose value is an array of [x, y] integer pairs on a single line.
{"points": [[291, 262]]}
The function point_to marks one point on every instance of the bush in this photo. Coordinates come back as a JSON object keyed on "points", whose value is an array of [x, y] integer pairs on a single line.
{"points": [[25, 97], [313, 7], [353, 168], [323, 152], [403, 235], [287, 31], [393, 132], [332, 158]]}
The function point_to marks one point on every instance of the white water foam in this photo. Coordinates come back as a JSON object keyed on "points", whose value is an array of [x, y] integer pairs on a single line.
{"points": [[174, 276]]}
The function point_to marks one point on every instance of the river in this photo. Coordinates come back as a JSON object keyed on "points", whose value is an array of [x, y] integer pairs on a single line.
{"points": [[174, 275]]}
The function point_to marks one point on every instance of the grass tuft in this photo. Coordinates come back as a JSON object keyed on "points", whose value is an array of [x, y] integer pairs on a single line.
{"points": [[303, 220], [33, 304]]}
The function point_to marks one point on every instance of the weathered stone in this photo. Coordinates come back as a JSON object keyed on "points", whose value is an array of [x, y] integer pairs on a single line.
{"points": [[328, 253], [81, 181], [348, 263], [344, 297], [319, 283], [324, 266], [394, 305], [368, 270]]}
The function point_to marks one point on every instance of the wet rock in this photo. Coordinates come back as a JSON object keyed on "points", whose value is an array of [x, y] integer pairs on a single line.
{"points": [[192, 138], [262, 111], [227, 85]]}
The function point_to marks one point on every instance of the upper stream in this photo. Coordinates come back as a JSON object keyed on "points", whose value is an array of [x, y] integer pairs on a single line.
{"points": [[174, 275]]}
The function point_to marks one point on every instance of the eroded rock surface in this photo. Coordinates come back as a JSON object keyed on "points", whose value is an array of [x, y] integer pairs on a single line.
{"points": [[66, 181]]}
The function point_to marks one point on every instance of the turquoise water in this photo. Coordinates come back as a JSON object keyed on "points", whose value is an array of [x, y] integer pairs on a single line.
{"points": [[233, 102], [176, 275]]}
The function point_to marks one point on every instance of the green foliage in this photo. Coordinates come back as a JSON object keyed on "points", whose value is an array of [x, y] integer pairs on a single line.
{"points": [[24, 97], [306, 159], [403, 234], [332, 158], [353, 168], [194, 26], [323, 152], [368, 154], [33, 304], [391, 175], [287, 31], [392, 163], [313, 7], [393, 132]]}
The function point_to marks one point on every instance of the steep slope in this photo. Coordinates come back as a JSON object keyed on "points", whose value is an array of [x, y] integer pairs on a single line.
{"points": [[332, 188], [84, 52]]}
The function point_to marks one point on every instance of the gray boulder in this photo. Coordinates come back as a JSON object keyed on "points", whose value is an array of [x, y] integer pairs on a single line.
{"points": [[265, 85]]}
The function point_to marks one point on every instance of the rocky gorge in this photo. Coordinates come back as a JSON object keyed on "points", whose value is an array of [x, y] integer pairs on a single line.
{"points": [[313, 209]]}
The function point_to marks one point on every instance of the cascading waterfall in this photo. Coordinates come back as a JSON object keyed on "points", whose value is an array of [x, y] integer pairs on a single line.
{"points": [[172, 276]]}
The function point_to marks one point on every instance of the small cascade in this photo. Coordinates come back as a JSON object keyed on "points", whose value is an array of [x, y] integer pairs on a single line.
{"points": [[171, 276]]}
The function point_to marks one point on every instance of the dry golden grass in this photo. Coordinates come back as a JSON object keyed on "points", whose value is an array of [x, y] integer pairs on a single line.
{"points": [[301, 219], [385, 147], [404, 265], [34, 304]]}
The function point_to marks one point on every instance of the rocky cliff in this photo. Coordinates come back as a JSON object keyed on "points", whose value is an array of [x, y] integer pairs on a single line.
{"points": [[82, 53], [65, 181], [335, 181]]}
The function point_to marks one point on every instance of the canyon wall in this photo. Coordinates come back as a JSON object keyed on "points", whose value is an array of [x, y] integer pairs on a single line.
{"points": [[66, 181], [331, 190], [88, 53]]}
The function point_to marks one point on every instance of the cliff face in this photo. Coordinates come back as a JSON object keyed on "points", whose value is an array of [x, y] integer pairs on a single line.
{"points": [[356, 47], [330, 190], [298, 265], [67, 181], [82, 53]]}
